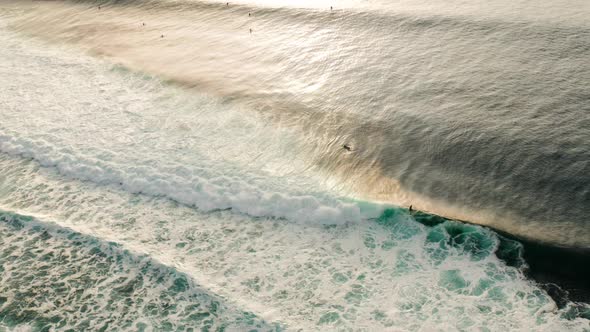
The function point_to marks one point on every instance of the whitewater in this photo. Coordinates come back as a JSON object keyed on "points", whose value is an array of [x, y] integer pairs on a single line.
{"points": [[163, 167]]}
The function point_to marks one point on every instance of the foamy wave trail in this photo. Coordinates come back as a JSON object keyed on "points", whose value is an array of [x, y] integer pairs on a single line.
{"points": [[201, 188], [56, 279]]}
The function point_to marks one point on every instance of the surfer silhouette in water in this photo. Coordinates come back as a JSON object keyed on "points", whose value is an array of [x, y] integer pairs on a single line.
{"points": [[347, 147], [410, 209], [331, 8]]}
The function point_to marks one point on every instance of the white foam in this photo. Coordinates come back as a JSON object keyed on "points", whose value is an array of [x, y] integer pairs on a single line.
{"points": [[218, 192], [69, 274]]}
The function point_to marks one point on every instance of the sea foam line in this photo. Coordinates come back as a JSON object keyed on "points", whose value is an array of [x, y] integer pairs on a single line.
{"points": [[206, 194]]}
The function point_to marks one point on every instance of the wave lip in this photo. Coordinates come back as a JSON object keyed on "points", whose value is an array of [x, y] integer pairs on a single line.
{"points": [[207, 194]]}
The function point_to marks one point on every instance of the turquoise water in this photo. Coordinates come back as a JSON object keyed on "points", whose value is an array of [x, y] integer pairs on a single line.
{"points": [[54, 278]]}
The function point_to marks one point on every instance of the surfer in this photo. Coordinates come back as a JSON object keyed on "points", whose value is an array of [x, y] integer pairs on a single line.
{"points": [[410, 209], [250, 30], [162, 36], [331, 8], [347, 147], [249, 15], [227, 4]]}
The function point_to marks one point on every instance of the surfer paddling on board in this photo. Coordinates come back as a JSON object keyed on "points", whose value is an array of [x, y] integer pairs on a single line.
{"points": [[347, 147]]}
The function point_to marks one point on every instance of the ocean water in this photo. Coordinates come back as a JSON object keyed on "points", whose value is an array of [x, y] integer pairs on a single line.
{"points": [[165, 168]]}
